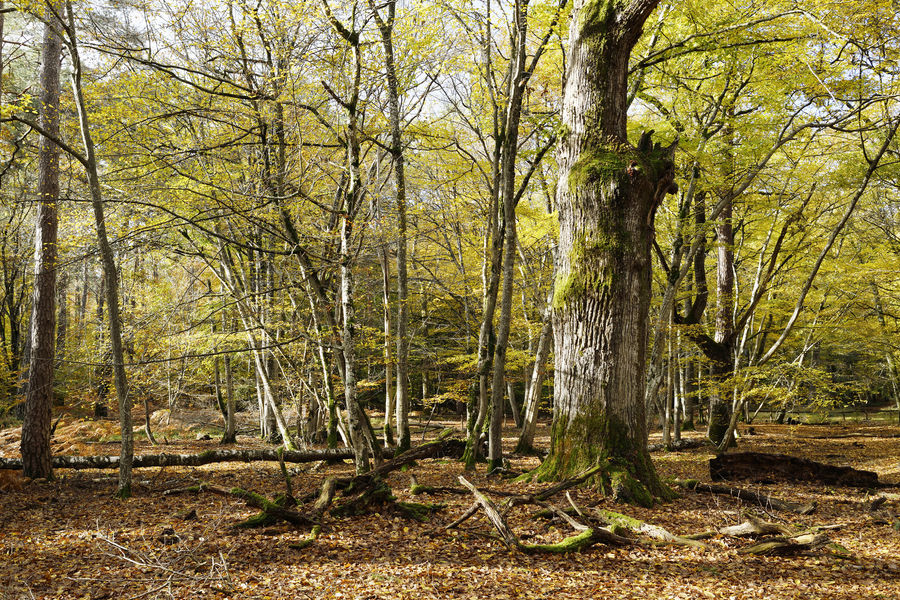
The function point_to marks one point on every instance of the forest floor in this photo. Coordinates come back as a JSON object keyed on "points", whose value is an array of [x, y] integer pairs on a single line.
{"points": [[70, 538]]}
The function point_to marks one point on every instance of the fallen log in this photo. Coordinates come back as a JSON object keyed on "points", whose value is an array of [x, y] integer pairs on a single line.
{"points": [[784, 546], [768, 468], [190, 460], [619, 523], [585, 538], [252, 499], [675, 446], [755, 526], [761, 500], [783, 540], [451, 448]]}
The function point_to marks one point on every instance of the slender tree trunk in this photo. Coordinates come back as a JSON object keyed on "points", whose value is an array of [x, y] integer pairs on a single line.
{"points": [[360, 433], [35, 443], [513, 406], [536, 385], [387, 430], [62, 319], [607, 196], [109, 272], [230, 435]]}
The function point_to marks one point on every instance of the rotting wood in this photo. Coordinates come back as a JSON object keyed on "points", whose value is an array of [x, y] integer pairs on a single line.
{"points": [[753, 525], [493, 515], [762, 467], [787, 545], [762, 500], [618, 522]]}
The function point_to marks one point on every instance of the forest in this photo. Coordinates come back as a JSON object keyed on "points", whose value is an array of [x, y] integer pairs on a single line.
{"points": [[503, 298]]}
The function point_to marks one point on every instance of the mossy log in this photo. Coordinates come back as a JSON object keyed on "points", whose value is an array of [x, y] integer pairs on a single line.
{"points": [[419, 511], [585, 538], [255, 500], [765, 468], [762, 500], [620, 524], [416, 488], [263, 518]]}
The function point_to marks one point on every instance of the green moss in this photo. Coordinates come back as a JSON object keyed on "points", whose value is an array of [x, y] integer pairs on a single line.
{"points": [[570, 544], [614, 518], [418, 489], [261, 519], [596, 438], [306, 542], [599, 164], [419, 511], [594, 20], [628, 489]]}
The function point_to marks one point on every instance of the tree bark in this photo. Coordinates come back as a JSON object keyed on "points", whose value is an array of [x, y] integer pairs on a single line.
{"points": [[607, 196], [35, 445], [386, 27], [110, 272], [535, 387]]}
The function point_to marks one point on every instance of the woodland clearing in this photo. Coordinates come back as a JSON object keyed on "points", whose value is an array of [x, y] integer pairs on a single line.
{"points": [[70, 538]]}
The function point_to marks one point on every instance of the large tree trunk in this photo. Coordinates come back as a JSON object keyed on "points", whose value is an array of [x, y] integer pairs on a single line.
{"points": [[35, 444], [607, 196]]}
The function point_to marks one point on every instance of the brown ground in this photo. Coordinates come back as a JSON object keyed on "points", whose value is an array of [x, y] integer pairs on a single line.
{"points": [[71, 539]]}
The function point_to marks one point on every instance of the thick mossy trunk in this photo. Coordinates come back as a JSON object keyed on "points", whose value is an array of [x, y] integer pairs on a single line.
{"points": [[607, 196], [627, 473]]}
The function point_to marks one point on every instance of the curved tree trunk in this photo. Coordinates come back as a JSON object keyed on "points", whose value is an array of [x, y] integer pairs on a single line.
{"points": [[607, 196]]}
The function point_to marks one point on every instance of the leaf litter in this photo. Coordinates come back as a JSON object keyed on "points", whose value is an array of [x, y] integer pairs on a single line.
{"points": [[70, 538]]}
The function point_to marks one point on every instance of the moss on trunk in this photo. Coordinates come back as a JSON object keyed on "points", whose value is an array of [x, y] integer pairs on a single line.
{"points": [[628, 474]]}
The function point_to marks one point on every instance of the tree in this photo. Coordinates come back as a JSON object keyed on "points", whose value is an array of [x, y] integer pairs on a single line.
{"points": [[39, 397], [607, 197]]}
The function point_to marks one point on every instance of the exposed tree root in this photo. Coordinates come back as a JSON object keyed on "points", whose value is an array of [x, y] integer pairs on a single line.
{"points": [[359, 494], [255, 500], [306, 542], [585, 538], [762, 500]]}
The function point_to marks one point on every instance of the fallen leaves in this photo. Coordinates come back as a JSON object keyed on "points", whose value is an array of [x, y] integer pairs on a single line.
{"points": [[53, 539]]}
